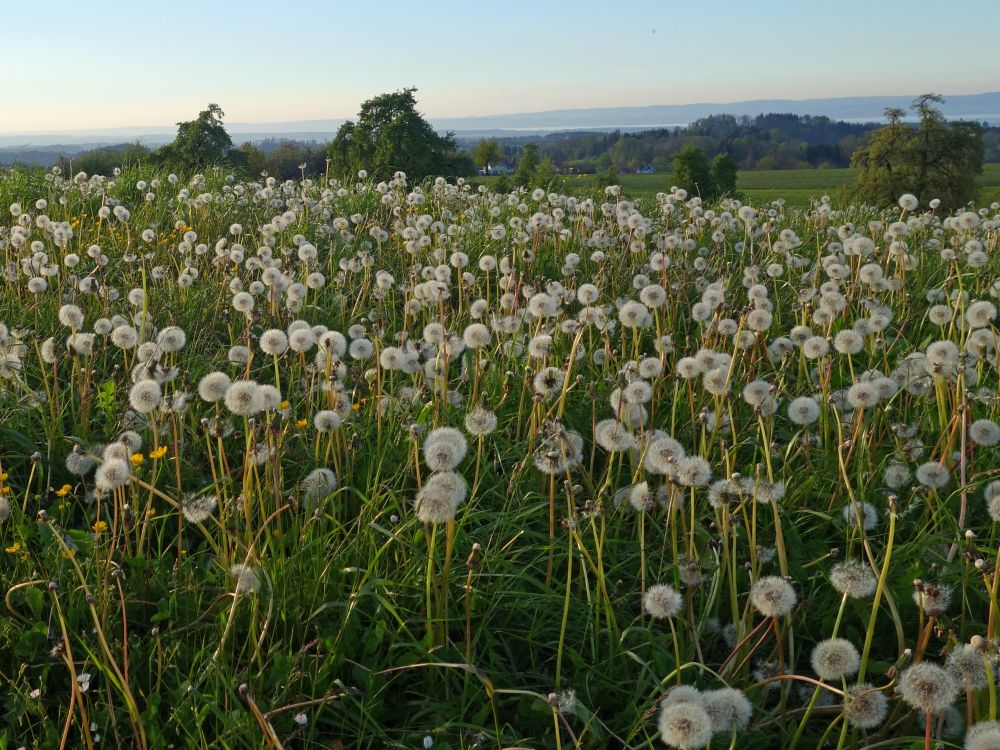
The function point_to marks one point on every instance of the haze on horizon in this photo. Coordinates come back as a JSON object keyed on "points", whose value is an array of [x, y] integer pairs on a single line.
{"points": [[110, 64]]}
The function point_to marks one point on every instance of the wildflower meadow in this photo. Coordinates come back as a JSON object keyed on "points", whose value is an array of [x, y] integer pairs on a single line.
{"points": [[378, 464]]}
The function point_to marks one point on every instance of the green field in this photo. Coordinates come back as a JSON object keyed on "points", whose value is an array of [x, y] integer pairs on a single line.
{"points": [[388, 465], [796, 186]]}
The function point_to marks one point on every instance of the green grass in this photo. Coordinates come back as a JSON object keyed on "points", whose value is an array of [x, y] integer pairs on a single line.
{"points": [[797, 186], [300, 614]]}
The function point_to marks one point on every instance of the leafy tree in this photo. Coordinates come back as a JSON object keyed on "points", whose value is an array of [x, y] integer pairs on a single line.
{"points": [[693, 173], [724, 170], [486, 154], [935, 159], [545, 173], [202, 142], [256, 159], [525, 174], [391, 136]]}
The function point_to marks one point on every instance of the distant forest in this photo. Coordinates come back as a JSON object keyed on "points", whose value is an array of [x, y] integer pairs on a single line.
{"points": [[770, 141]]}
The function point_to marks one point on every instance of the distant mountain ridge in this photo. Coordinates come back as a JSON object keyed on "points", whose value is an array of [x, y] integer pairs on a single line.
{"points": [[979, 107]]}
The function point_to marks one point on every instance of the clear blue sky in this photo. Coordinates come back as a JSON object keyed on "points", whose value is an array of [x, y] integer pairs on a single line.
{"points": [[71, 64]]}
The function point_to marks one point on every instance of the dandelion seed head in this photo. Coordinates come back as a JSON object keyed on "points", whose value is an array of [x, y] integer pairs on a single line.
{"points": [[247, 583], [318, 484], [984, 735], [853, 579], [213, 387], [613, 436], [728, 709], [440, 497], [772, 596], [326, 420], [863, 512], [685, 725], [984, 432], [480, 422], [198, 508], [965, 663], [171, 339], [865, 707], [273, 342], [71, 316], [932, 474], [662, 601], [111, 474], [243, 398], [834, 658], [145, 396], [927, 686], [444, 449]]}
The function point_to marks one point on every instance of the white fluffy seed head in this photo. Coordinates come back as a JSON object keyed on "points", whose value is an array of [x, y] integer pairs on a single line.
{"points": [[853, 579], [243, 398], [834, 658], [927, 686], [773, 596], [662, 601], [444, 449], [145, 396], [213, 387], [685, 725], [273, 342], [440, 497], [865, 707]]}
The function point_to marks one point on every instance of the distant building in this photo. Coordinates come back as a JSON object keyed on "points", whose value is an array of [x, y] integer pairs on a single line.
{"points": [[648, 169], [495, 169]]}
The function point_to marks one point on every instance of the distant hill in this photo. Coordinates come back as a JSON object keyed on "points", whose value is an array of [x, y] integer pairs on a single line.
{"points": [[980, 107]]}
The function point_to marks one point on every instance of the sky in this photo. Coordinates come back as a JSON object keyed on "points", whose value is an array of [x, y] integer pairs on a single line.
{"points": [[78, 64]]}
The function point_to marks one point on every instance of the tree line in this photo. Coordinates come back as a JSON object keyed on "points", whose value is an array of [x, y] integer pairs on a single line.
{"points": [[767, 141], [930, 157]]}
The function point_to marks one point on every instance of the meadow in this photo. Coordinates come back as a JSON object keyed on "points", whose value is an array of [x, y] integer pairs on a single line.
{"points": [[796, 187], [375, 464]]}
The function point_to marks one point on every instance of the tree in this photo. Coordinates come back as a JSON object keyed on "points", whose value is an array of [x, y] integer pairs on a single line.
{"points": [[202, 142], [724, 170], [255, 158], [525, 174], [692, 172], [934, 159], [486, 154], [391, 136], [545, 173]]}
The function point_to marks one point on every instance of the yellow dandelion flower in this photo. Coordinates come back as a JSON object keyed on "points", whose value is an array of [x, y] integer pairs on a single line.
{"points": [[159, 452], [301, 423], [64, 490], [137, 459], [99, 527], [284, 405], [12, 549]]}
